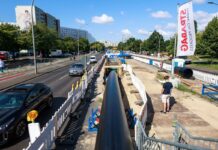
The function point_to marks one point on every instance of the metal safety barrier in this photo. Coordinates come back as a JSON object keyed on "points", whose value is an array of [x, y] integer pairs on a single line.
{"points": [[143, 142], [113, 133], [49, 132], [181, 135], [200, 75]]}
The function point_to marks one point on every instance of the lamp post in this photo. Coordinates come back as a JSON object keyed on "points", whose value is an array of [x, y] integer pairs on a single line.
{"points": [[33, 37]]}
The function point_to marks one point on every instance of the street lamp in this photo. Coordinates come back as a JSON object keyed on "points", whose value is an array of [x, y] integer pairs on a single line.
{"points": [[33, 38], [212, 3]]}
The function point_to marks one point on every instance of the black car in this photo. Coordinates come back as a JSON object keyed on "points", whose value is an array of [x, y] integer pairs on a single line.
{"points": [[15, 103]]}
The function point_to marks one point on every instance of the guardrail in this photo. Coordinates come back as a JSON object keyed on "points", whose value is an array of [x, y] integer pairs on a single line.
{"points": [[200, 75], [181, 135], [113, 133], [143, 142], [46, 140]]}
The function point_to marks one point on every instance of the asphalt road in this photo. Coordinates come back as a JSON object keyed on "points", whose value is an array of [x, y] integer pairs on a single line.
{"points": [[60, 83]]}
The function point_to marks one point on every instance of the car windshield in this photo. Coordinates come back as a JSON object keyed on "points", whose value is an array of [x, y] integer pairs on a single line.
{"points": [[77, 66], [11, 100], [92, 57]]}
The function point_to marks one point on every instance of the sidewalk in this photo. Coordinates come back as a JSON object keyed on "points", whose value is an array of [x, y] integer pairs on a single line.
{"points": [[197, 115]]}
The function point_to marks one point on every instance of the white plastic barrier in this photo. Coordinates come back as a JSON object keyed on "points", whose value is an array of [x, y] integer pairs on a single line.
{"points": [[145, 60], [206, 77], [141, 88], [200, 75], [49, 132]]}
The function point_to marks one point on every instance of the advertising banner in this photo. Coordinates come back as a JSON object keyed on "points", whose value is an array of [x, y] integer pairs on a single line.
{"points": [[186, 42]]}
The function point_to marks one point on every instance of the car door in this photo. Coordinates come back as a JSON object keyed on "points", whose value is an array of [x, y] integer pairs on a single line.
{"points": [[43, 92]]}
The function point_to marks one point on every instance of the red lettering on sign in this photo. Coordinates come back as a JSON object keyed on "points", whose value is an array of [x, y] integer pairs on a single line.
{"points": [[183, 20]]}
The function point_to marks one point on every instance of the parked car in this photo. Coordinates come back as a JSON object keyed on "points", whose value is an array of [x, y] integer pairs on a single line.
{"points": [[77, 69], [56, 53], [93, 59], [15, 103], [4, 55]]}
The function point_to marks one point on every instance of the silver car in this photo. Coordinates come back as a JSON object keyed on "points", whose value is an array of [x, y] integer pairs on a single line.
{"points": [[76, 69]]}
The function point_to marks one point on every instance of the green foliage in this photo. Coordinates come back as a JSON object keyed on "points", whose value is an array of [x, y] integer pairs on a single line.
{"points": [[196, 26], [44, 39], [153, 42], [210, 38], [131, 44], [84, 45], [170, 45], [97, 46], [9, 37]]}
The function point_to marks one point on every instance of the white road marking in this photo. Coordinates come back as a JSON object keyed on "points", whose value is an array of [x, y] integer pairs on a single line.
{"points": [[63, 77]]}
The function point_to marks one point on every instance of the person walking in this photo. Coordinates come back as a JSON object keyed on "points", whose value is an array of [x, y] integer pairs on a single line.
{"points": [[2, 65], [166, 94]]}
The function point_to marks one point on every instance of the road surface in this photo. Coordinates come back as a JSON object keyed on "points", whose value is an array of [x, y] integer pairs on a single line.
{"points": [[60, 83]]}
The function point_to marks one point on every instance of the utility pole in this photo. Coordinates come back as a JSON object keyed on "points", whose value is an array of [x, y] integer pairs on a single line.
{"points": [[33, 38]]}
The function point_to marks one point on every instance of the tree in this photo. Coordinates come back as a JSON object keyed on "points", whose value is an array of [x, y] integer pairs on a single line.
{"points": [[153, 42], [97, 46], [200, 45], [196, 26], [45, 39], [84, 45], [210, 38], [9, 37], [24, 40], [170, 45]]}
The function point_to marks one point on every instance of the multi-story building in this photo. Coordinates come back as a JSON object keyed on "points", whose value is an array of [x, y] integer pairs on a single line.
{"points": [[76, 33], [24, 18]]}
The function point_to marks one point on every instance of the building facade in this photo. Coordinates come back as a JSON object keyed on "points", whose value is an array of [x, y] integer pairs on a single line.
{"points": [[24, 18], [76, 33]]}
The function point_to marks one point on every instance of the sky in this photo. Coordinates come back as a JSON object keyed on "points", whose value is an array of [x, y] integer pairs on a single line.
{"points": [[115, 20]]}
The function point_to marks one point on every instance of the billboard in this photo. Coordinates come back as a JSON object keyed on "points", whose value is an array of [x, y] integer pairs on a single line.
{"points": [[186, 42], [23, 17]]}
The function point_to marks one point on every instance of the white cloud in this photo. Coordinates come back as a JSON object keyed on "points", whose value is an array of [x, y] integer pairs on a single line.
{"points": [[103, 19], [161, 14], [80, 21], [143, 32], [167, 31], [171, 26], [158, 27], [203, 18], [199, 1], [126, 32], [166, 34], [122, 13]]}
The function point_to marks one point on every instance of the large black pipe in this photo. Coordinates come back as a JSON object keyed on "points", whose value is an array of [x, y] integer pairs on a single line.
{"points": [[183, 72], [113, 133]]}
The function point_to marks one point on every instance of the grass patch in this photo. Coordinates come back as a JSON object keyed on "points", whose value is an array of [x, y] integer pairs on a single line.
{"points": [[185, 88], [159, 76], [211, 67]]}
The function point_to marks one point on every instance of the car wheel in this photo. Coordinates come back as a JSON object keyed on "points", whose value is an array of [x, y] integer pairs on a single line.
{"points": [[21, 128], [50, 102]]}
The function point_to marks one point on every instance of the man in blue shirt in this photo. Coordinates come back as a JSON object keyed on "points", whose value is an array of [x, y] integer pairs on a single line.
{"points": [[166, 93]]}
